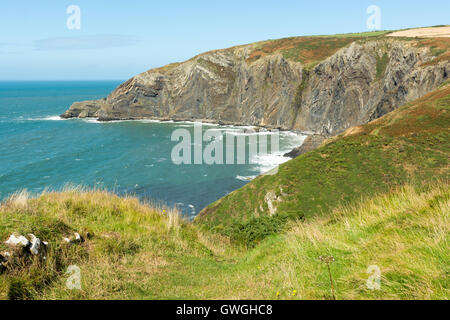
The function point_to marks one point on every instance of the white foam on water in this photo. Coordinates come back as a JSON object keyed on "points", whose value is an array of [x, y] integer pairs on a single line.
{"points": [[47, 118], [90, 120], [252, 133], [295, 140], [206, 124], [149, 121], [54, 118], [267, 162], [246, 178], [177, 123], [263, 163], [193, 211], [239, 127]]}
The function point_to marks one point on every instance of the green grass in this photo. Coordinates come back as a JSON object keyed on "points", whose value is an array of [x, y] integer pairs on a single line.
{"points": [[309, 50], [300, 89], [404, 233], [359, 34], [121, 228], [437, 51], [382, 63]]}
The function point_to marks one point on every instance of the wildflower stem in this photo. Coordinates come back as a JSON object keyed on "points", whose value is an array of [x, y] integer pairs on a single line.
{"points": [[331, 281]]}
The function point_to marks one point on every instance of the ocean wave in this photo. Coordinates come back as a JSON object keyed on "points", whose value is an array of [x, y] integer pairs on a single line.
{"points": [[246, 178], [265, 163], [244, 133], [268, 162], [47, 118], [207, 124], [88, 120], [149, 121]]}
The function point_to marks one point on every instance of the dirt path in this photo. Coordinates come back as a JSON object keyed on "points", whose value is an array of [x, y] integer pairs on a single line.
{"points": [[423, 33]]}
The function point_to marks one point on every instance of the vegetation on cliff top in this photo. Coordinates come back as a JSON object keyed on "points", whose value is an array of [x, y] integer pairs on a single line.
{"points": [[311, 50]]}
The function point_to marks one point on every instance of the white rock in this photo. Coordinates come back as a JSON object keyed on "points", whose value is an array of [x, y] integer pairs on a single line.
{"points": [[35, 244], [76, 238], [17, 240]]}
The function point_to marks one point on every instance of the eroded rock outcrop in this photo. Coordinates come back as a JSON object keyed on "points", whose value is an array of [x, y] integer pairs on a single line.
{"points": [[311, 142]]}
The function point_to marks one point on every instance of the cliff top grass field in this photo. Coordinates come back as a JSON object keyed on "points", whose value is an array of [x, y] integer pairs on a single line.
{"points": [[375, 198]]}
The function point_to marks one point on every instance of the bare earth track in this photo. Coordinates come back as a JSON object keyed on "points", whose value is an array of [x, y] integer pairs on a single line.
{"points": [[437, 32]]}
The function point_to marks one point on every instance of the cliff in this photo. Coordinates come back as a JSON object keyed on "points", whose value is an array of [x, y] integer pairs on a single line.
{"points": [[318, 84]]}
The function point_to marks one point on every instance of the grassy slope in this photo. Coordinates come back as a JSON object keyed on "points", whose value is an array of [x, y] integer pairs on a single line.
{"points": [[411, 144], [137, 253], [130, 241]]}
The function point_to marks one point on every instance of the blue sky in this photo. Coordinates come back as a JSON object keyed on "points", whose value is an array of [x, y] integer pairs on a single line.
{"points": [[119, 39]]}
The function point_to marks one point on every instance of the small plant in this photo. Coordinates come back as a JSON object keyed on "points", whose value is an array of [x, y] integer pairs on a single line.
{"points": [[253, 231], [301, 89], [328, 260], [382, 63]]}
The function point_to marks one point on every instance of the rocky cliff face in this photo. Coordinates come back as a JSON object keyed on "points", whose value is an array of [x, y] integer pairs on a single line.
{"points": [[365, 81], [263, 84]]}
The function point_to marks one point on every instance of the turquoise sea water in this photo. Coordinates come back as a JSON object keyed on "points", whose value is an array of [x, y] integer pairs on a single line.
{"points": [[38, 150]]}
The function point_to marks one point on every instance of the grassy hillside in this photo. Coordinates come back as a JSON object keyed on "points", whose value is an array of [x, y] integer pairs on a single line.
{"points": [[127, 242], [409, 145], [136, 252]]}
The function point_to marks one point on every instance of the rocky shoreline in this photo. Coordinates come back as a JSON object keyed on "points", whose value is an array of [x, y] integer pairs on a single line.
{"points": [[257, 127], [295, 152]]}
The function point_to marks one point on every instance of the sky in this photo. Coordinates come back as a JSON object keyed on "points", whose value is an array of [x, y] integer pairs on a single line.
{"points": [[119, 39]]}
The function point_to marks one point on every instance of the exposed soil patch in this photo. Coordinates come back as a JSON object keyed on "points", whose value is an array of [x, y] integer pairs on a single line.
{"points": [[443, 32]]}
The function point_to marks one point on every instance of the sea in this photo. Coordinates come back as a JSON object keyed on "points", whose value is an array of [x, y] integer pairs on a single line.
{"points": [[40, 152]]}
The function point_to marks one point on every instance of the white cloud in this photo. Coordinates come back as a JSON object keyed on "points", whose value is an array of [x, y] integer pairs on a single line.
{"points": [[101, 41]]}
